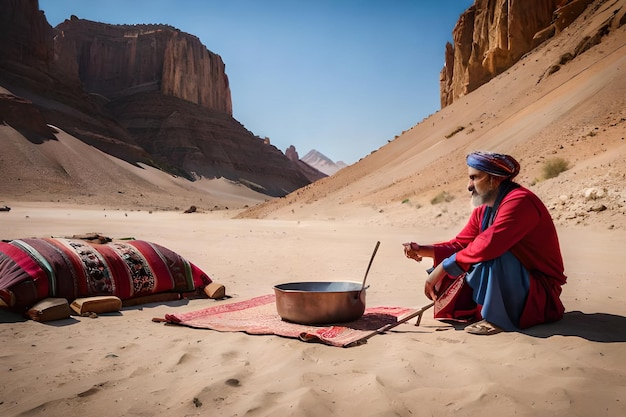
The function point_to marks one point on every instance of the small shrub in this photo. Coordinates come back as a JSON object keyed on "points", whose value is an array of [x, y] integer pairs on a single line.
{"points": [[442, 197], [565, 58], [406, 201], [454, 132], [553, 69], [554, 166]]}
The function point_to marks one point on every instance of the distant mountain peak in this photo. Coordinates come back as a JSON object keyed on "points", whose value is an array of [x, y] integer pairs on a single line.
{"points": [[322, 163]]}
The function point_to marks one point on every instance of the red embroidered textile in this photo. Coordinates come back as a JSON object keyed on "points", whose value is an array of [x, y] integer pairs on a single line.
{"points": [[454, 301], [258, 316]]}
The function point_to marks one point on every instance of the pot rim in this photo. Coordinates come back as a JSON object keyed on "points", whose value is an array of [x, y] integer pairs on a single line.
{"points": [[312, 291]]}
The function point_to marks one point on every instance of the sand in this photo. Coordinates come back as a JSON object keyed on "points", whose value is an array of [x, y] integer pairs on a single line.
{"points": [[127, 365]]}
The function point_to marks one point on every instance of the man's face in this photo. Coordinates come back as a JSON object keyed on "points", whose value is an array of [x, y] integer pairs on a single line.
{"points": [[482, 186]]}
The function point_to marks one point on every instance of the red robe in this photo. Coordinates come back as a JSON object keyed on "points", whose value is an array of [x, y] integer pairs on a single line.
{"points": [[524, 227]]}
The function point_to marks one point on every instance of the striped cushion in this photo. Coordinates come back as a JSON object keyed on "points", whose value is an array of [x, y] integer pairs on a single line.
{"points": [[34, 269]]}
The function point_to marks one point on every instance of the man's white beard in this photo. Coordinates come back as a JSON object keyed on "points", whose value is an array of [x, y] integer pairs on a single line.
{"points": [[489, 197], [477, 200]]}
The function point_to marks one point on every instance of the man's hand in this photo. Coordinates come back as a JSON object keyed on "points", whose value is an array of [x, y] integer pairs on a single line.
{"points": [[411, 251], [433, 280], [429, 290]]}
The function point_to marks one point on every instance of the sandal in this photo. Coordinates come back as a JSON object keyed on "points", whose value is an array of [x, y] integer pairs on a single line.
{"points": [[483, 327]]}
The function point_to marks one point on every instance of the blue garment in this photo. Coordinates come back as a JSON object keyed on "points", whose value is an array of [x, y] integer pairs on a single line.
{"points": [[501, 287]]}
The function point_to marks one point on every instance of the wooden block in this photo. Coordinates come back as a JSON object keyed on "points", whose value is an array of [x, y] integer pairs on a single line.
{"points": [[98, 304], [215, 290], [50, 309]]}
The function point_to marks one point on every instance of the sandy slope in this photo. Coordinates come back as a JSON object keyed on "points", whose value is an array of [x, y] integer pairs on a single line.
{"points": [[68, 164], [577, 113]]}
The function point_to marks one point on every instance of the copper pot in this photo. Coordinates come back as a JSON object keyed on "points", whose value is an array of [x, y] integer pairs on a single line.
{"points": [[320, 302]]}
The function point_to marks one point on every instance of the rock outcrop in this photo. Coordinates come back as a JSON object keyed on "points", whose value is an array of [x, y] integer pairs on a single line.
{"points": [[143, 93], [292, 153], [22, 116], [492, 35], [310, 171]]}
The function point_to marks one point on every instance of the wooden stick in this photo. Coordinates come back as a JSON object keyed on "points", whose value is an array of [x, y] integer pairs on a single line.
{"points": [[392, 325]]}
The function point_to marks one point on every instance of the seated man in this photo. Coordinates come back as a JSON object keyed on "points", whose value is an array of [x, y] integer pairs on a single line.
{"points": [[505, 266]]}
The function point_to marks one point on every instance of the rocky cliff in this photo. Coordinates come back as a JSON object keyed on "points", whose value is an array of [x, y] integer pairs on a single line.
{"points": [[492, 35], [142, 93], [24, 32], [119, 60]]}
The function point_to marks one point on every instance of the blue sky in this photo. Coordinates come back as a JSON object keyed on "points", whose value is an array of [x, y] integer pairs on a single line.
{"points": [[339, 76]]}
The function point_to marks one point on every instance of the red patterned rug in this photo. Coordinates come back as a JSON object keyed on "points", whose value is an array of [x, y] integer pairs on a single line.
{"points": [[258, 316]]}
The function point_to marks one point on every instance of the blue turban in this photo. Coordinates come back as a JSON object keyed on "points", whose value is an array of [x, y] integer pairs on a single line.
{"points": [[494, 163]]}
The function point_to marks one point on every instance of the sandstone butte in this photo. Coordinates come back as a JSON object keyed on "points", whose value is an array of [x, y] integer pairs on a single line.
{"points": [[147, 94]]}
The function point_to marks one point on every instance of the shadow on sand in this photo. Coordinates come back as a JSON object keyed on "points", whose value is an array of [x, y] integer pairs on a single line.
{"points": [[595, 327], [12, 317]]}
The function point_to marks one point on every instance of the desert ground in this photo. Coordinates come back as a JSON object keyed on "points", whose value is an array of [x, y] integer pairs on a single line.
{"points": [[125, 364]]}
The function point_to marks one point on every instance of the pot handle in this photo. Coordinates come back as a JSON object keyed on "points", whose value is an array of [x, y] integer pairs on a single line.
{"points": [[370, 265]]}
